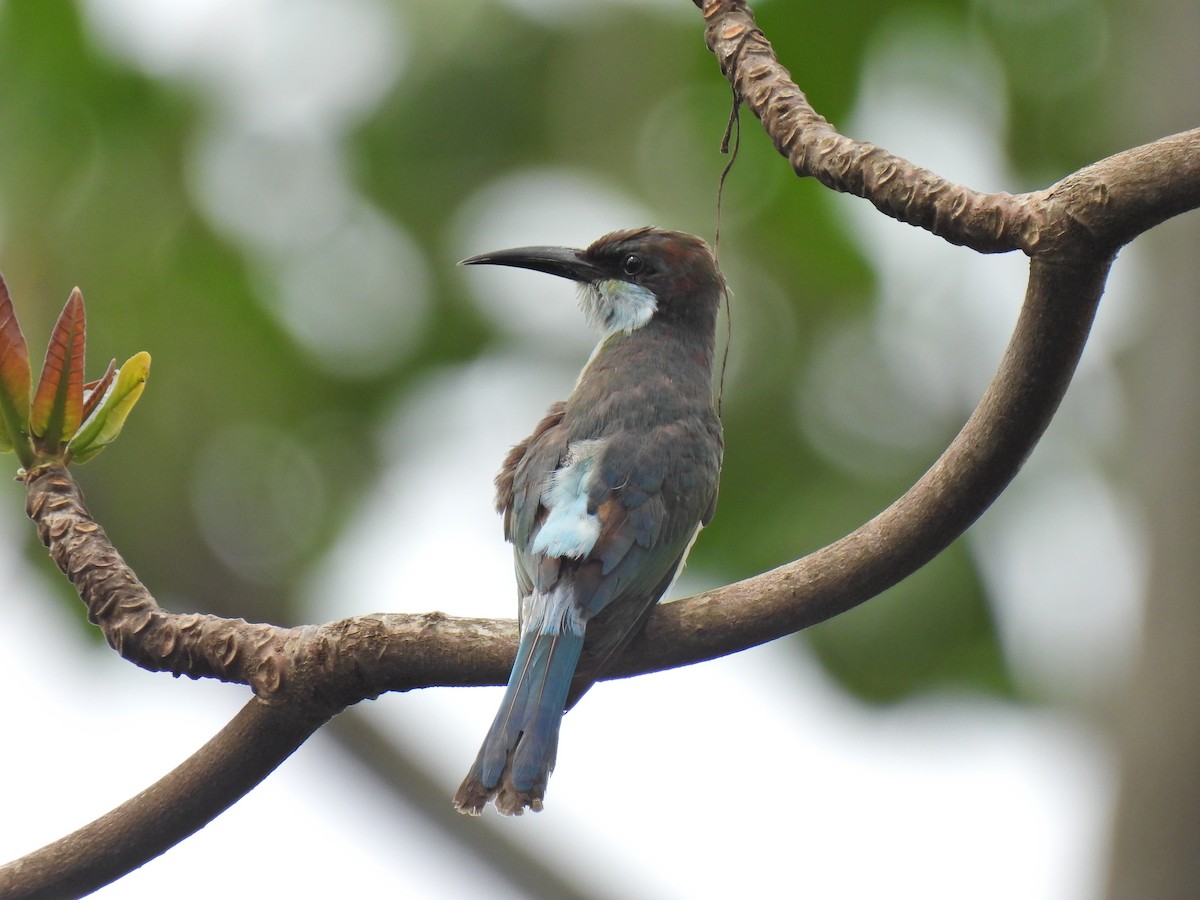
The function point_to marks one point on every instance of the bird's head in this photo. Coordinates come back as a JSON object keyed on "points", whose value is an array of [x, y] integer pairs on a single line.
{"points": [[629, 278]]}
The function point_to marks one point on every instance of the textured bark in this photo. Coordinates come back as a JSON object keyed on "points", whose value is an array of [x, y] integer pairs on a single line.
{"points": [[989, 223]]}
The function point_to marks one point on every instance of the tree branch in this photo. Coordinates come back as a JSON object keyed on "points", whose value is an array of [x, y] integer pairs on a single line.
{"points": [[131, 620], [1118, 198], [989, 223], [303, 676], [1110, 202], [1018, 405]]}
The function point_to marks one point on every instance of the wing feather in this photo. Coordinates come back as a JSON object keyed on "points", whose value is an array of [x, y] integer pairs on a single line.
{"points": [[651, 491]]}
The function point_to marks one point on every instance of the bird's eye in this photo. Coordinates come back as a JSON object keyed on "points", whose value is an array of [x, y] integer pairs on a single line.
{"points": [[632, 264]]}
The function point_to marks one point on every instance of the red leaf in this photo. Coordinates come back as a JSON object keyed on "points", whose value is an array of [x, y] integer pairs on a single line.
{"points": [[58, 402], [94, 391], [15, 376]]}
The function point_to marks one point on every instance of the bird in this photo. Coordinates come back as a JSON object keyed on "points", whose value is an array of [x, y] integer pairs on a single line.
{"points": [[603, 500]]}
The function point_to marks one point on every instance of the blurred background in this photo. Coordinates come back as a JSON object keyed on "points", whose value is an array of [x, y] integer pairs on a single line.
{"points": [[270, 197]]}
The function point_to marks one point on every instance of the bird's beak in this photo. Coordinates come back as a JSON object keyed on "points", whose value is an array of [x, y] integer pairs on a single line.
{"points": [[564, 262]]}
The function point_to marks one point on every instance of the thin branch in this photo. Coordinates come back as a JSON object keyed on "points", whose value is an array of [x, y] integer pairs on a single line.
{"points": [[328, 667], [989, 223], [1110, 202], [131, 620]]}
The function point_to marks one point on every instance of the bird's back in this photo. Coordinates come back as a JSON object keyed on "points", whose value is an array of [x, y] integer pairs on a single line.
{"points": [[642, 419]]}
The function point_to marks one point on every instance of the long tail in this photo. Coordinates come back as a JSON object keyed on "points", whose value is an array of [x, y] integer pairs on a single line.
{"points": [[518, 753]]}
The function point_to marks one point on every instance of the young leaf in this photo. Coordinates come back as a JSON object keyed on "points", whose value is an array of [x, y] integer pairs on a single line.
{"points": [[15, 378], [58, 402], [95, 391], [105, 422]]}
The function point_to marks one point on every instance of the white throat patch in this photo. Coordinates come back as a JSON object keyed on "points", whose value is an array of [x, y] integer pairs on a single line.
{"points": [[617, 306]]}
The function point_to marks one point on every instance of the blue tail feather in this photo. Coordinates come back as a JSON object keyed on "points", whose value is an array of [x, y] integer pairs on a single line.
{"points": [[518, 753], [536, 752]]}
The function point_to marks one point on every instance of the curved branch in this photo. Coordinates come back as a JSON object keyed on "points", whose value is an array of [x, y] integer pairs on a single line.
{"points": [[989, 223], [1060, 303], [367, 655], [1118, 198], [302, 676], [215, 777], [325, 667], [130, 618], [1110, 202], [375, 653], [1079, 223]]}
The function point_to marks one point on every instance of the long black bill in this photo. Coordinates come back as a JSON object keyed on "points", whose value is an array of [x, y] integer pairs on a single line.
{"points": [[562, 261]]}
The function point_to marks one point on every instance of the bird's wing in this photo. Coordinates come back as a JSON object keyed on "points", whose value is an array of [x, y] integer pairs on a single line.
{"points": [[653, 495], [614, 514], [521, 480], [655, 489]]}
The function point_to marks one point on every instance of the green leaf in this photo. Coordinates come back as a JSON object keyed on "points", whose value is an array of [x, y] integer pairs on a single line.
{"points": [[15, 380], [58, 402], [109, 414]]}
